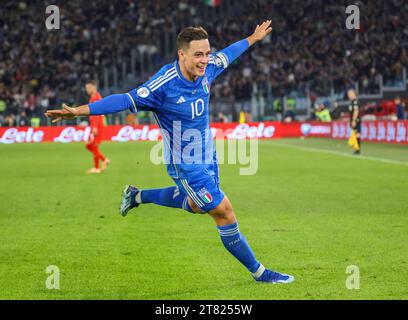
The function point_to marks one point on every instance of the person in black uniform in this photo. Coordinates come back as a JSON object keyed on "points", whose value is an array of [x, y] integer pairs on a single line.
{"points": [[355, 116]]}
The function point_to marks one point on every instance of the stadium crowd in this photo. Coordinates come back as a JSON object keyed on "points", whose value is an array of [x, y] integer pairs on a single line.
{"points": [[310, 49]]}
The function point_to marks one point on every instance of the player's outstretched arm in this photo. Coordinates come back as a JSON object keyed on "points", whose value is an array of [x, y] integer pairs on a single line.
{"points": [[110, 104], [261, 31], [67, 113]]}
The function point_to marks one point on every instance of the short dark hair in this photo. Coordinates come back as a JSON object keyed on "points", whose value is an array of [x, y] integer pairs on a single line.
{"points": [[93, 82], [190, 34]]}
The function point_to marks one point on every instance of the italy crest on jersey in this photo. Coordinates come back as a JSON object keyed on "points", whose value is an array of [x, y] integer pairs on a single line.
{"points": [[205, 195], [206, 85]]}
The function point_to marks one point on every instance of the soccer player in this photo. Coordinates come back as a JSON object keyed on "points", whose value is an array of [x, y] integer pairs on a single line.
{"points": [[355, 118], [96, 123], [178, 95]]}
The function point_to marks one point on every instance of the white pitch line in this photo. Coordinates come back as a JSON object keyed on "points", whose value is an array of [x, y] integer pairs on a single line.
{"points": [[337, 153]]}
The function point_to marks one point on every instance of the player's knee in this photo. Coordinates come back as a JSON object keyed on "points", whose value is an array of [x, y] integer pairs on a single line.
{"points": [[224, 212]]}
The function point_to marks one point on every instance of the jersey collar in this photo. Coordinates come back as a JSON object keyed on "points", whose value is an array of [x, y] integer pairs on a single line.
{"points": [[180, 75]]}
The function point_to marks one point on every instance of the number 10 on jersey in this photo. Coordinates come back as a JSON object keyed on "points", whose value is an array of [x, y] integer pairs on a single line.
{"points": [[197, 108]]}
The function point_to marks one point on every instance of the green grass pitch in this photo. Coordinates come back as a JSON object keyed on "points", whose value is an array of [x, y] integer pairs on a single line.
{"points": [[311, 210]]}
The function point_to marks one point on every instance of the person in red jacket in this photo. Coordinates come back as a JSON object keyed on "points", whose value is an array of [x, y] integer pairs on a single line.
{"points": [[96, 123]]}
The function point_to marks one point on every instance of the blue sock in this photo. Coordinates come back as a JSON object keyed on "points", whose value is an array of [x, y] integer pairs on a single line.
{"points": [[237, 245], [169, 197]]}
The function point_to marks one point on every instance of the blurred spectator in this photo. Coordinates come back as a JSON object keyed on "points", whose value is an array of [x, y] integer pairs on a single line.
{"points": [[221, 118], [322, 112], [131, 119], [277, 108], [289, 115], [244, 116], [9, 120], [400, 108], [35, 122], [23, 120], [242, 93], [144, 117], [247, 116], [117, 121], [3, 106]]}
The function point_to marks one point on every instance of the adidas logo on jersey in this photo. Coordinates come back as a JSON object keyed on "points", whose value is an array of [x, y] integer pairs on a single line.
{"points": [[181, 100]]}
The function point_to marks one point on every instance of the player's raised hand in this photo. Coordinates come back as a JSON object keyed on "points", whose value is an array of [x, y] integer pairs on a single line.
{"points": [[261, 31], [65, 113]]}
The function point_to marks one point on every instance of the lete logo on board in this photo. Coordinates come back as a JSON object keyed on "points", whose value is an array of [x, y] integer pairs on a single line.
{"points": [[305, 128]]}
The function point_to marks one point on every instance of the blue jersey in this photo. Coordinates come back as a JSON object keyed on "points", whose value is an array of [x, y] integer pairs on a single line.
{"points": [[181, 109]]}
